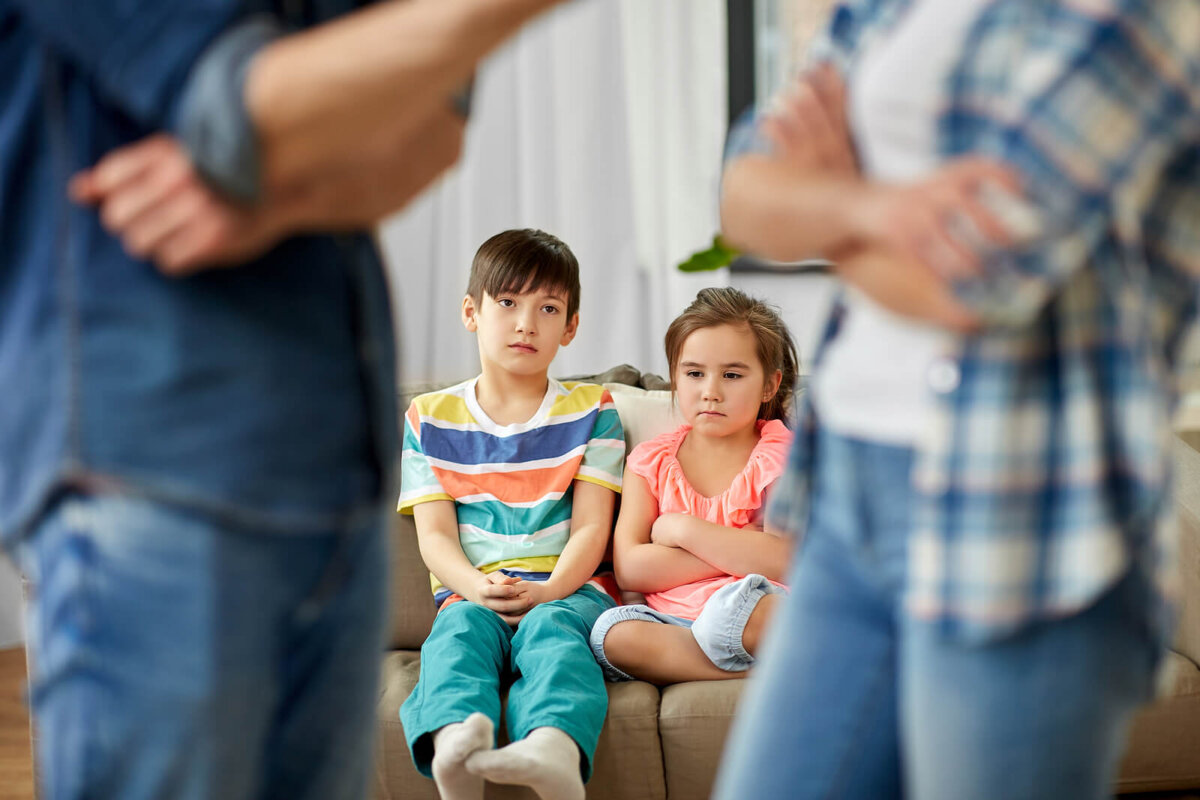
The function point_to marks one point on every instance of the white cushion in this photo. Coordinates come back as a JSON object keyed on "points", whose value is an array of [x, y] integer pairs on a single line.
{"points": [[644, 413]]}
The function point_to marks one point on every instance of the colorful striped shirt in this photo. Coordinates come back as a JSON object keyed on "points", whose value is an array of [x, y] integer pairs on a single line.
{"points": [[512, 485], [1046, 474]]}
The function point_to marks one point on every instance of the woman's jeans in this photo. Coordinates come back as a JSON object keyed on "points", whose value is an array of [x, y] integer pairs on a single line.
{"points": [[175, 657], [853, 698]]}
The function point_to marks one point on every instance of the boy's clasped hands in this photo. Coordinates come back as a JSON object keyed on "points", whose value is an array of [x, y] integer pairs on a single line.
{"points": [[509, 596]]}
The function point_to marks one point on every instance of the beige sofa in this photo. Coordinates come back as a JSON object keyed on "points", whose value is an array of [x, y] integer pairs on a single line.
{"points": [[667, 744]]}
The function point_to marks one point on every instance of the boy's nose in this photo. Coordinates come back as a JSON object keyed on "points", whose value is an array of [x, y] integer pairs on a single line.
{"points": [[525, 325]]}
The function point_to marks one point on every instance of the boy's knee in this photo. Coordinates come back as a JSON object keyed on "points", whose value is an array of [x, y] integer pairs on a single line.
{"points": [[553, 615], [465, 615]]}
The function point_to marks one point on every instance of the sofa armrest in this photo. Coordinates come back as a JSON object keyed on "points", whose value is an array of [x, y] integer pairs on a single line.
{"points": [[410, 601]]}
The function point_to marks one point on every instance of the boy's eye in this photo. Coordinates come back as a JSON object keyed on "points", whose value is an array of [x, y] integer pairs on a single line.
{"points": [[506, 302], [550, 309]]}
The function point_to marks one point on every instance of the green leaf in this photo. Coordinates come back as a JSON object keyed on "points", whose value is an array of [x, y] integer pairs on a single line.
{"points": [[715, 257]]}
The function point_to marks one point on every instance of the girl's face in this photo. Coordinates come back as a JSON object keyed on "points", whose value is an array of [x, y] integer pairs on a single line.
{"points": [[719, 382]]}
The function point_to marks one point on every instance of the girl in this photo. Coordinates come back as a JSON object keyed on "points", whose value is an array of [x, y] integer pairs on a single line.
{"points": [[690, 534]]}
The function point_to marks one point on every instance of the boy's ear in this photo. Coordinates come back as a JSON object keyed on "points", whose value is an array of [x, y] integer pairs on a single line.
{"points": [[570, 331], [468, 313]]}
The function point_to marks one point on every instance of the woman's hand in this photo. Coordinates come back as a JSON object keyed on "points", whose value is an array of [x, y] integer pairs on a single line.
{"points": [[946, 221], [808, 127], [905, 286]]}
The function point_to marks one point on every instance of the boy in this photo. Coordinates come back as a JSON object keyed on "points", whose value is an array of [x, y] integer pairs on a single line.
{"points": [[512, 477]]}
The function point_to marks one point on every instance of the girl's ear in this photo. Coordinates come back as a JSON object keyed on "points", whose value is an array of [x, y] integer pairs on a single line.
{"points": [[771, 385], [468, 313]]}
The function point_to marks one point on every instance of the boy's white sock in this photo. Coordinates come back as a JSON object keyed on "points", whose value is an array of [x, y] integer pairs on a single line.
{"points": [[452, 745], [547, 761]]}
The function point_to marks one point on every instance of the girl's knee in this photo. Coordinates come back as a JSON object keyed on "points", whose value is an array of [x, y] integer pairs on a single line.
{"points": [[626, 644], [758, 622]]}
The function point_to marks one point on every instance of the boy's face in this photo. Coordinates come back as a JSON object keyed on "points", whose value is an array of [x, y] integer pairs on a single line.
{"points": [[520, 332]]}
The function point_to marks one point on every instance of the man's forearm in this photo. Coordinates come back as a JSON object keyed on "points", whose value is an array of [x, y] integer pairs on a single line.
{"points": [[316, 97], [357, 197]]}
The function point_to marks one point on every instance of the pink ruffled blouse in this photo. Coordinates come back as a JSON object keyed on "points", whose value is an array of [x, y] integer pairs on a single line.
{"points": [[739, 505]]}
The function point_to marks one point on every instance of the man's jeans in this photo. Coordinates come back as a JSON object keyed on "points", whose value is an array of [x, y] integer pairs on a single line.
{"points": [[855, 699], [175, 657]]}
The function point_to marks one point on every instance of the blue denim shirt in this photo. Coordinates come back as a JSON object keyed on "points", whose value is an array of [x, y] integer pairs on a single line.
{"points": [[263, 393]]}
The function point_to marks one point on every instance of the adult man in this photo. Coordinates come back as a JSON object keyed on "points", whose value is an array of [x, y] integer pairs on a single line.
{"points": [[191, 471]]}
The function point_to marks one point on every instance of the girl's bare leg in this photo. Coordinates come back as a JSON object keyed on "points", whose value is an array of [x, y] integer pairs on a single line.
{"points": [[661, 654]]}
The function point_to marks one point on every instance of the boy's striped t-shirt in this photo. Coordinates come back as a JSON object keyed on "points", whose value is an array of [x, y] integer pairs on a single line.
{"points": [[511, 484]]}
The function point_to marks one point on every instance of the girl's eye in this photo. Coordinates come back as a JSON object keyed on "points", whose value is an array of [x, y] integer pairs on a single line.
{"points": [[732, 376], [694, 373]]}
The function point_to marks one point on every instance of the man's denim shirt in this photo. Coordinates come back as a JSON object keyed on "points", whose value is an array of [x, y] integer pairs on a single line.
{"points": [[262, 393]]}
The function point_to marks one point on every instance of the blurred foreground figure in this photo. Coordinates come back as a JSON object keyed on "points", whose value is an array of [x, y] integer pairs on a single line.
{"points": [[1011, 192], [193, 461]]}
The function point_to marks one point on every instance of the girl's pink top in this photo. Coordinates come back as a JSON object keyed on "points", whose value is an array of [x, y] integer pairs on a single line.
{"points": [[738, 506]]}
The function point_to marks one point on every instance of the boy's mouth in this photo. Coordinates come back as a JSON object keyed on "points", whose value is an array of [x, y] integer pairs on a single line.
{"points": [[521, 347]]}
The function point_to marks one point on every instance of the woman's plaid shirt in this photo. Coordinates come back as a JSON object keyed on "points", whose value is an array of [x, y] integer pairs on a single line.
{"points": [[1047, 474]]}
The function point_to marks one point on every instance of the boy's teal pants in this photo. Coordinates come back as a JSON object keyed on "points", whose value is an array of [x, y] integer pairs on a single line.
{"points": [[557, 681]]}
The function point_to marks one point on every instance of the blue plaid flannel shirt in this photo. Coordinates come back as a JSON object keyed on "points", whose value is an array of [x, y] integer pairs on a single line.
{"points": [[1047, 474]]}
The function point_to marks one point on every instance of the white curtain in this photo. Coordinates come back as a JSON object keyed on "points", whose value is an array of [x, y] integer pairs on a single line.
{"points": [[602, 124]]}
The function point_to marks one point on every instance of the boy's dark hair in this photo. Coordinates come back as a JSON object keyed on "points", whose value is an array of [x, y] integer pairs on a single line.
{"points": [[728, 306], [516, 260]]}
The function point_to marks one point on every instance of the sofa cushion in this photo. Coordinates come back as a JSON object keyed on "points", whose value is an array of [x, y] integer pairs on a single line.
{"points": [[644, 413], [693, 723], [411, 600], [1162, 754], [628, 762]]}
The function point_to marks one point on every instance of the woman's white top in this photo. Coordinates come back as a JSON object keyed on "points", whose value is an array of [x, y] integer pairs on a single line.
{"points": [[877, 377]]}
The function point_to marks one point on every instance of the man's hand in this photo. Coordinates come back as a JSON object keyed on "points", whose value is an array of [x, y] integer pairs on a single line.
{"points": [[149, 195]]}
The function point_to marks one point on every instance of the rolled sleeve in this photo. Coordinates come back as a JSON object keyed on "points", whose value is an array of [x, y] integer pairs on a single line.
{"points": [[138, 53], [1102, 110], [214, 123]]}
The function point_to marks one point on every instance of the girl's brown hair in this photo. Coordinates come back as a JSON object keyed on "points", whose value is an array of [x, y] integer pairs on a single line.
{"points": [[728, 306]]}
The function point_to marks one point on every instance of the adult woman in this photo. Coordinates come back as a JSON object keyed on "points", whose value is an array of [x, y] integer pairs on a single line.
{"points": [[975, 608]]}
